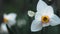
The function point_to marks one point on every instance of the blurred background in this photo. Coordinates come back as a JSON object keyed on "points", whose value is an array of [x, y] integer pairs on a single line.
{"points": [[23, 24]]}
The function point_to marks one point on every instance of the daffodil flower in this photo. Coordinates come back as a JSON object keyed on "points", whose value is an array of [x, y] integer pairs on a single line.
{"points": [[9, 19], [44, 18]]}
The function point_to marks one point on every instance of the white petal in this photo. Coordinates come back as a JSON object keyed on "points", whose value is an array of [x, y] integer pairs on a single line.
{"points": [[38, 16], [3, 27], [11, 23], [55, 20], [45, 24], [48, 11], [5, 15], [36, 26], [31, 13], [12, 16], [41, 5]]}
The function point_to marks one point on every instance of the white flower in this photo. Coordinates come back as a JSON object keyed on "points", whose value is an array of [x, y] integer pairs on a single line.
{"points": [[9, 19], [44, 18], [31, 13]]}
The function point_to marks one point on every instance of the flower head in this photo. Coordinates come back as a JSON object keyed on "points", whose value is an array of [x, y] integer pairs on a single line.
{"points": [[9, 19], [44, 18]]}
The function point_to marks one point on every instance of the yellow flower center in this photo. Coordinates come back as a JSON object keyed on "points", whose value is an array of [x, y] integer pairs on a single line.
{"points": [[45, 19], [5, 20]]}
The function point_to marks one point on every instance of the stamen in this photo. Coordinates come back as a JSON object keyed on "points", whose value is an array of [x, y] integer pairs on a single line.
{"points": [[45, 19]]}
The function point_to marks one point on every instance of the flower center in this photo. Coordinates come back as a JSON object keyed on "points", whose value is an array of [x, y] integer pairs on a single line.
{"points": [[45, 19], [5, 20]]}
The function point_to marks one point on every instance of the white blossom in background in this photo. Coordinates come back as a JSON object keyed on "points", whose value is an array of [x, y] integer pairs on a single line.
{"points": [[31, 13], [44, 17], [9, 19], [21, 22]]}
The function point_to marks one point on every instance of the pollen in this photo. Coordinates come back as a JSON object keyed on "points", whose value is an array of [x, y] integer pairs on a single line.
{"points": [[5, 20], [45, 19]]}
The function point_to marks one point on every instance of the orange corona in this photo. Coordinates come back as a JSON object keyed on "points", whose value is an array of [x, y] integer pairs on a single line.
{"points": [[5, 20], [45, 19]]}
